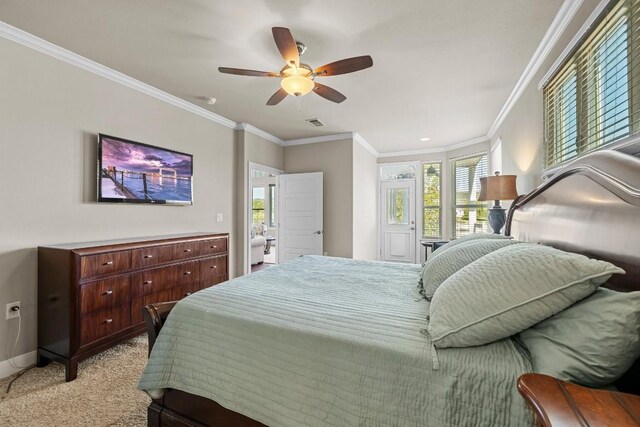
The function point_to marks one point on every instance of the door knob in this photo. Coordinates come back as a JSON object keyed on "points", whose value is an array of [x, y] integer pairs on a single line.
{"points": [[412, 228], [317, 232]]}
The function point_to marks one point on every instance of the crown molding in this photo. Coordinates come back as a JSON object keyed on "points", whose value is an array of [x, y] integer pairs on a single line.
{"points": [[574, 41], [560, 22], [359, 139], [259, 132], [29, 40], [315, 139], [443, 149]]}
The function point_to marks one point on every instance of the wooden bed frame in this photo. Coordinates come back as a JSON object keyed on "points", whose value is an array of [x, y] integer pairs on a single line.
{"points": [[591, 206]]}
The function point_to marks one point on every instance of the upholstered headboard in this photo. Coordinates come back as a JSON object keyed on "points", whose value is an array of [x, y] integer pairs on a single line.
{"points": [[592, 207]]}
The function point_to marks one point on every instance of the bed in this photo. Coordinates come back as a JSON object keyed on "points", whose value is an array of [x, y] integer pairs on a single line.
{"points": [[323, 341]]}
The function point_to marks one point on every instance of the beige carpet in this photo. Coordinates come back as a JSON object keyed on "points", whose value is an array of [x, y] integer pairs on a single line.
{"points": [[104, 394]]}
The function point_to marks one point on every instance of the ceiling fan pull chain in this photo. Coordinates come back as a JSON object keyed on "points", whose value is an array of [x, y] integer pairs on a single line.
{"points": [[299, 106]]}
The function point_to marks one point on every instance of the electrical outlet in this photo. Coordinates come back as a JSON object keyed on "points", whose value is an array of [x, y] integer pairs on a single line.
{"points": [[12, 312], [219, 217]]}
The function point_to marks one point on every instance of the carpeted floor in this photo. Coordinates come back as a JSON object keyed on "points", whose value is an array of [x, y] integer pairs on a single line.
{"points": [[104, 394]]}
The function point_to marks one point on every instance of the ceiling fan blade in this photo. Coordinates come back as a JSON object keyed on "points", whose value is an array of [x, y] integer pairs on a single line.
{"points": [[277, 97], [286, 45], [329, 93], [243, 72], [345, 66]]}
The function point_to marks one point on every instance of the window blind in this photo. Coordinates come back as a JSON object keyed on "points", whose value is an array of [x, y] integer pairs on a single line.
{"points": [[470, 215], [594, 98]]}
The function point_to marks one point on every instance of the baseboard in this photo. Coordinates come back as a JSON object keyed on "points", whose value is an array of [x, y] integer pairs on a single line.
{"points": [[24, 360]]}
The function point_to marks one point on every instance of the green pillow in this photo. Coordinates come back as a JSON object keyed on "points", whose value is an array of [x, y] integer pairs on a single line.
{"points": [[592, 342], [465, 239], [440, 268], [469, 238], [510, 290]]}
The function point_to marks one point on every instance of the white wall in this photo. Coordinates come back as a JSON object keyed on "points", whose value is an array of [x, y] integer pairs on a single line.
{"points": [[365, 204], [50, 114], [522, 129]]}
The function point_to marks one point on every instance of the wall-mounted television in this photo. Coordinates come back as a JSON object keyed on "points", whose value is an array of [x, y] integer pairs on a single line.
{"points": [[132, 172]]}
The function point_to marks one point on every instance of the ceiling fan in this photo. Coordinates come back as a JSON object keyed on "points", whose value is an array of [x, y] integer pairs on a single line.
{"points": [[298, 79]]}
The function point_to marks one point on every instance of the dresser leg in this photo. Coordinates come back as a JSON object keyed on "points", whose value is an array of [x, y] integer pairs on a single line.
{"points": [[42, 361], [71, 370]]}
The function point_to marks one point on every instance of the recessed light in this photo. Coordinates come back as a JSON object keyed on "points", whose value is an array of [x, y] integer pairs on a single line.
{"points": [[209, 100], [424, 139]]}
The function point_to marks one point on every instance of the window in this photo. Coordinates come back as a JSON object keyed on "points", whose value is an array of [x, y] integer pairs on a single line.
{"points": [[395, 172], [594, 98], [258, 205], [470, 216], [398, 206], [431, 214], [272, 205]]}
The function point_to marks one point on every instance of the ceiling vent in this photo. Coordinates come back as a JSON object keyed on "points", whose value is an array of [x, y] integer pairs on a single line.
{"points": [[315, 122]]}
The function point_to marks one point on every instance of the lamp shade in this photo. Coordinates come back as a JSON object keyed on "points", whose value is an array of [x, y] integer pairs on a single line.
{"points": [[499, 187], [297, 85]]}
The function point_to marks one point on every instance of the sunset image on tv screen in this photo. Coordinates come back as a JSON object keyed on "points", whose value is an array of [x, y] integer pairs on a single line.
{"points": [[139, 172]]}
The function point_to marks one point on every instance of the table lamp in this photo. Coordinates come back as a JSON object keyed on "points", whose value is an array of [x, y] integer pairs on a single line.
{"points": [[498, 187]]}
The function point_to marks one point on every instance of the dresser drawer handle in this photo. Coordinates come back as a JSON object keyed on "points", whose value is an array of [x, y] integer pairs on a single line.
{"points": [[148, 256], [108, 321], [147, 282], [214, 266], [108, 263], [213, 247], [186, 273], [187, 250], [109, 292]]}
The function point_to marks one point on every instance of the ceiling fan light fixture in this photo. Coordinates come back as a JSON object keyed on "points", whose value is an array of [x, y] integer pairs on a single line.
{"points": [[297, 85]]}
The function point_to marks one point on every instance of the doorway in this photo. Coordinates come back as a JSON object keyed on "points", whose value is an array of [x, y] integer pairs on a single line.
{"points": [[262, 217], [398, 226]]}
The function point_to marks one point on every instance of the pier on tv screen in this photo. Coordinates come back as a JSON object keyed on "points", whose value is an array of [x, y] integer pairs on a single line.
{"points": [[140, 173]]}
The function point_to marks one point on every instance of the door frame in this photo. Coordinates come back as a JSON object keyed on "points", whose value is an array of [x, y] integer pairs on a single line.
{"points": [[418, 205], [249, 203]]}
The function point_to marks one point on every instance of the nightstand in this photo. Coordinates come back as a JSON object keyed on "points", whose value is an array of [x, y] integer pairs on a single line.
{"points": [[559, 403], [432, 244]]}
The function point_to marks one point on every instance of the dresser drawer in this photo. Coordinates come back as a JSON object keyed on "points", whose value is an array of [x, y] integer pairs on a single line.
{"points": [[104, 322], [213, 246], [185, 250], [105, 293], [187, 273], [213, 281], [182, 291], [97, 265], [213, 267], [153, 255], [139, 302], [150, 281]]}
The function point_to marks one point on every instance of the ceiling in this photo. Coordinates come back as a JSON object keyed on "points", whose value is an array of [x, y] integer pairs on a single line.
{"points": [[442, 69]]}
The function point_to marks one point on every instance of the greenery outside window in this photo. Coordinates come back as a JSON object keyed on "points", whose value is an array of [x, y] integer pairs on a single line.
{"points": [[470, 215], [258, 205], [431, 200], [594, 98]]}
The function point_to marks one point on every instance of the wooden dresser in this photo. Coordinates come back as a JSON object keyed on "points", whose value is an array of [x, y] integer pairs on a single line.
{"points": [[90, 295]]}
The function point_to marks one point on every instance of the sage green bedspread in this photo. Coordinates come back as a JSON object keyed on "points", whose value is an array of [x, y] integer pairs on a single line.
{"points": [[322, 341]]}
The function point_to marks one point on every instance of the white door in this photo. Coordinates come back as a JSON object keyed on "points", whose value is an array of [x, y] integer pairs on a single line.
{"points": [[300, 215], [397, 221]]}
